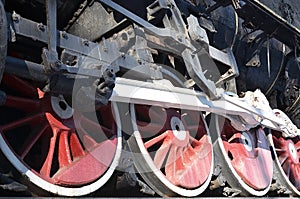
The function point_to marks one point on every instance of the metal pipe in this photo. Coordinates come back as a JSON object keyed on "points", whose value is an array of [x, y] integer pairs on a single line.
{"points": [[25, 69], [59, 83], [3, 39]]}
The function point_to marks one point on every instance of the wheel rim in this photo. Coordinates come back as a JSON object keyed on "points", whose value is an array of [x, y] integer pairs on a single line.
{"points": [[42, 141], [175, 147], [249, 155], [288, 153]]}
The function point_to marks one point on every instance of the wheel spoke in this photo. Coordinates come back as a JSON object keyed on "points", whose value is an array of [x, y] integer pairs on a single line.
{"points": [[161, 153], [155, 140], [278, 150], [204, 149], [46, 168], [279, 142], [64, 154], [194, 141], [31, 141], [190, 154], [170, 165], [295, 175], [297, 146], [21, 103], [90, 166], [184, 171], [286, 166], [21, 122], [20, 86], [282, 158], [75, 146], [276, 141]]}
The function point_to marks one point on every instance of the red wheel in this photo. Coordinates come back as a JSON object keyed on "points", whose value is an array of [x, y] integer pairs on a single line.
{"points": [[54, 151], [287, 158], [172, 149], [288, 153], [286, 149], [246, 158]]}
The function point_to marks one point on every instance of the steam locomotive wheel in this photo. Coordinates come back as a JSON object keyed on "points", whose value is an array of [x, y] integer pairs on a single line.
{"points": [[55, 147], [245, 157], [172, 149], [287, 163], [287, 158]]}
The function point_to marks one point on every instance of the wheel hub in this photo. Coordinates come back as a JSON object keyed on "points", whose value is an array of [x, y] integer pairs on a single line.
{"points": [[61, 107], [247, 142], [293, 152], [178, 129]]}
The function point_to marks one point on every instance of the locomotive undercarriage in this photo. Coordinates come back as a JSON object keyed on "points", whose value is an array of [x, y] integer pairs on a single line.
{"points": [[150, 94]]}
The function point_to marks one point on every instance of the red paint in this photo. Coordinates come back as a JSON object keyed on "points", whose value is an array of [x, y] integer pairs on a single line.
{"points": [[186, 163], [255, 167], [289, 161], [54, 148]]}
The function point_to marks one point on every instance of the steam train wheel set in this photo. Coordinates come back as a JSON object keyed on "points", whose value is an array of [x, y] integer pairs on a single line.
{"points": [[150, 96]]}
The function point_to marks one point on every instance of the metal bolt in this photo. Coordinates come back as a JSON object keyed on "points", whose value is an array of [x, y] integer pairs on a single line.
{"points": [[64, 35], [58, 63], [123, 55], [86, 43], [41, 27], [124, 36], [15, 17]]}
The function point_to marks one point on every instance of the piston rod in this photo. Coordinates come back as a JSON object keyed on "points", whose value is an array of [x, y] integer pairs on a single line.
{"points": [[25, 69]]}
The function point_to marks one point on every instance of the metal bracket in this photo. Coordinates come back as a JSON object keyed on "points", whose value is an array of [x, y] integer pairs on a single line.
{"points": [[177, 42], [50, 56], [194, 67], [157, 10]]}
